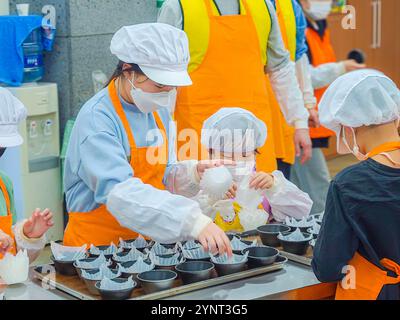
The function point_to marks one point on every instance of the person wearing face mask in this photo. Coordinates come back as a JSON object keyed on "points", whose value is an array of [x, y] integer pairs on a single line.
{"points": [[235, 134], [121, 155], [238, 58], [314, 177], [28, 234], [361, 224]]}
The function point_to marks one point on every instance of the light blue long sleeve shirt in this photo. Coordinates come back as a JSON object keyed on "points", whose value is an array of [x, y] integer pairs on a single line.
{"points": [[98, 150], [97, 172], [301, 25]]}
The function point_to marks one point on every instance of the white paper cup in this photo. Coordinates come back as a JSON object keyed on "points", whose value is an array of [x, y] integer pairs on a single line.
{"points": [[23, 9]]}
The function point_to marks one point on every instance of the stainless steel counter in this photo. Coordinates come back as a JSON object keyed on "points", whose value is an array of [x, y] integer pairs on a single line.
{"points": [[294, 282]]}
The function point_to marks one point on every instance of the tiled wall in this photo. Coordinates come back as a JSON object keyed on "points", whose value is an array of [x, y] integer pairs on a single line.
{"points": [[84, 32]]}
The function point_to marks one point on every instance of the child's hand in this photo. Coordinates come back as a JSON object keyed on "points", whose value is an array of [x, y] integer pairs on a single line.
{"points": [[262, 180], [209, 164], [231, 194], [6, 243], [38, 224]]}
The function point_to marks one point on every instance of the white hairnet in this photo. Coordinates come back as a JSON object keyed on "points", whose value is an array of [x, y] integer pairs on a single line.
{"points": [[160, 50], [12, 112], [359, 98], [233, 130]]}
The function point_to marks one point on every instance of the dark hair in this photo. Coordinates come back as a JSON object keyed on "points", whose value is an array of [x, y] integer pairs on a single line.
{"points": [[119, 71]]}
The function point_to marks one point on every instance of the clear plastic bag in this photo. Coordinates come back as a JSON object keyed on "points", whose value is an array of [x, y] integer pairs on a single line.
{"points": [[14, 269]]}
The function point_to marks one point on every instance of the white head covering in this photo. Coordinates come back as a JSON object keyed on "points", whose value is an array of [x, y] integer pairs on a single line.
{"points": [[359, 98], [160, 50], [12, 112], [233, 130]]}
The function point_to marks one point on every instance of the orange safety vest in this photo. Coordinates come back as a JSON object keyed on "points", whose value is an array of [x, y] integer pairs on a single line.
{"points": [[283, 132], [99, 227], [370, 279], [6, 221], [227, 69], [322, 52]]}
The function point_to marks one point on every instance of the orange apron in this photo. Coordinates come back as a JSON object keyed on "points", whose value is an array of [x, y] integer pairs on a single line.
{"points": [[230, 75], [322, 52], [99, 227], [369, 278], [6, 221], [283, 132]]}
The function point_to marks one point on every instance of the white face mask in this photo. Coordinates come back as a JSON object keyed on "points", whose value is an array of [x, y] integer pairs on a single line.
{"points": [[149, 102], [356, 150], [319, 10], [242, 169]]}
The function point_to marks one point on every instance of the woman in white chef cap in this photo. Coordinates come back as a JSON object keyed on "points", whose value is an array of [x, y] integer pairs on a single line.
{"points": [[114, 185], [236, 135], [362, 218]]}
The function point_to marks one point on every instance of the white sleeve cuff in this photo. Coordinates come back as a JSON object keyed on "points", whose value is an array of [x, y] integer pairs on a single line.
{"points": [[23, 242], [301, 124], [277, 183], [199, 224]]}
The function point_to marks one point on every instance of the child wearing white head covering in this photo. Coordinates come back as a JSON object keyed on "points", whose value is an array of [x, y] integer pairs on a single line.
{"points": [[236, 134], [362, 222], [28, 234]]}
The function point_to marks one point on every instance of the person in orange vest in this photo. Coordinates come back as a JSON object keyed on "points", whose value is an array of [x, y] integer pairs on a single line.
{"points": [[293, 25], [359, 240], [314, 177], [28, 234], [233, 45], [122, 177]]}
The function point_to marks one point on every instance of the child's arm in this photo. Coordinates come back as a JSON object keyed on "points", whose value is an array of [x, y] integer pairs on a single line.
{"points": [[30, 234], [182, 178], [285, 198], [6, 242], [337, 243]]}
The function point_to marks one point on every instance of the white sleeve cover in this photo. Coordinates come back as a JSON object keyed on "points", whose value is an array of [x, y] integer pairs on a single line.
{"points": [[155, 213], [289, 96], [182, 178], [206, 204], [303, 75], [287, 200], [323, 75], [32, 246]]}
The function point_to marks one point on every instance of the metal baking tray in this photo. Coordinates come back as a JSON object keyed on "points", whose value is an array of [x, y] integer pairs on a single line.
{"points": [[71, 285], [304, 260]]}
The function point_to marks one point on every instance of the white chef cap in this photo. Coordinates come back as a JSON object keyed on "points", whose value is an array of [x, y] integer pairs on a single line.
{"points": [[233, 130], [12, 112], [359, 98], [160, 50]]}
